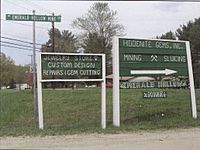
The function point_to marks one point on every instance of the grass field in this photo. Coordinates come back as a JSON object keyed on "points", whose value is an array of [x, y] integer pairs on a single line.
{"points": [[78, 111]]}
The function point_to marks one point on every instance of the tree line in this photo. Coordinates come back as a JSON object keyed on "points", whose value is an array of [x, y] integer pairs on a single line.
{"points": [[97, 26], [12, 74], [189, 32], [97, 29]]}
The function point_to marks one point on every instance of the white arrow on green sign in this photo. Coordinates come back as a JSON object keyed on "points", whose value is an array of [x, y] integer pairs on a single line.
{"points": [[166, 72], [136, 57], [144, 54]]}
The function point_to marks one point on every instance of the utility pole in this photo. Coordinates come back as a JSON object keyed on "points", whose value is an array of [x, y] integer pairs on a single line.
{"points": [[0, 40], [53, 45], [53, 34], [34, 70], [0, 33], [31, 65]]}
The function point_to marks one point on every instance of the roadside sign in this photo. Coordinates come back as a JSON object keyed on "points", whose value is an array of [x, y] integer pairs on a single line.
{"points": [[154, 84], [154, 94], [151, 57], [71, 67], [38, 18]]}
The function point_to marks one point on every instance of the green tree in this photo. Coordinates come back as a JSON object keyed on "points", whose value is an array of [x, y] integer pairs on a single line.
{"points": [[99, 25], [7, 69], [93, 43], [191, 32], [168, 35], [64, 42], [19, 74]]}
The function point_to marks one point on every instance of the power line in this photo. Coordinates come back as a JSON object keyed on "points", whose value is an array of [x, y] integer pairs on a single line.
{"points": [[20, 37], [16, 4], [14, 39], [27, 2], [17, 44], [25, 24], [42, 9], [26, 49]]}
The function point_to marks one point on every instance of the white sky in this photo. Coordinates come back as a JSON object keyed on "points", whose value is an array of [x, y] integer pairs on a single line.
{"points": [[140, 19]]}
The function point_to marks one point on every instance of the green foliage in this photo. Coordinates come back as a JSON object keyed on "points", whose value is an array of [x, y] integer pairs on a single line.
{"points": [[94, 40], [64, 41], [93, 43], [7, 69], [189, 32], [19, 75], [100, 19], [11, 73], [99, 25], [78, 111], [168, 35]]}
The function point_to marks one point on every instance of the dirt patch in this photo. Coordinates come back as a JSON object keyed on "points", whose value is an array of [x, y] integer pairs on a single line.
{"points": [[180, 139]]}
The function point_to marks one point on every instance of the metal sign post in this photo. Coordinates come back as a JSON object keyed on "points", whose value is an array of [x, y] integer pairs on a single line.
{"points": [[142, 57], [33, 18], [34, 71], [71, 67]]}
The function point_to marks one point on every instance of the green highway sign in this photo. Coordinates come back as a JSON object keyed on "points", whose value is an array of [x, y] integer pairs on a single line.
{"points": [[155, 94], [152, 57], [26, 17], [71, 66], [154, 84]]}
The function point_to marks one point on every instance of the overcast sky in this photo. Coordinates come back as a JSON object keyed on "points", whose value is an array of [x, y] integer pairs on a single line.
{"points": [[140, 19]]}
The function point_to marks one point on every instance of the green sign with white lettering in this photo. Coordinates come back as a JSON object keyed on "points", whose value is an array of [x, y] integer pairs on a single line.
{"points": [[152, 57], [148, 64], [154, 84], [155, 94], [26, 17], [56, 66]]}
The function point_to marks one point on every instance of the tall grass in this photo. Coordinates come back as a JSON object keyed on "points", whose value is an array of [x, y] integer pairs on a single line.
{"points": [[78, 111]]}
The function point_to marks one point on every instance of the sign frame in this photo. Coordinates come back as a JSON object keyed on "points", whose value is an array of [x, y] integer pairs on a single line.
{"points": [[40, 81], [116, 73], [73, 80], [142, 55]]}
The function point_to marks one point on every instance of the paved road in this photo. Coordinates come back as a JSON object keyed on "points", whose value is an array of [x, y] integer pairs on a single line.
{"points": [[180, 139]]}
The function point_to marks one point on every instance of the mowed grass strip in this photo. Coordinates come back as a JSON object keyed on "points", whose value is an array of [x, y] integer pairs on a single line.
{"points": [[70, 111]]}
